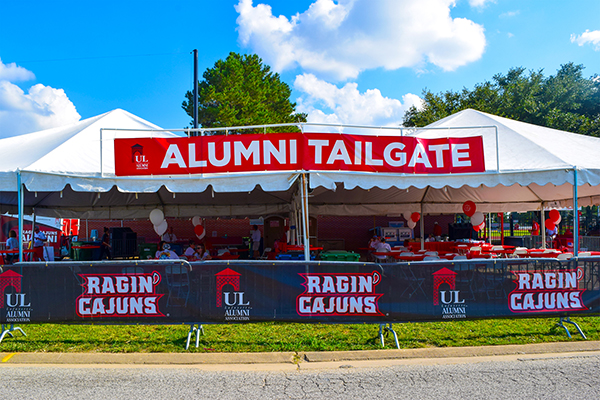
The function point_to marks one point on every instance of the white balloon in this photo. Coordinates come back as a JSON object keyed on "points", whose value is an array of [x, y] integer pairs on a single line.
{"points": [[196, 220], [407, 215], [156, 216], [411, 224], [161, 228], [558, 220], [477, 218]]}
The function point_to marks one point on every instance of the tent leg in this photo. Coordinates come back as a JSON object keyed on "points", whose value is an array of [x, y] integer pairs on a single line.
{"points": [[193, 329], [389, 328], [561, 322], [305, 224], [575, 215], [9, 330]]}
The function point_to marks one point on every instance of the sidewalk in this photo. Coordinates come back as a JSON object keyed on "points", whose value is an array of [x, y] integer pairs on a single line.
{"points": [[307, 360]]}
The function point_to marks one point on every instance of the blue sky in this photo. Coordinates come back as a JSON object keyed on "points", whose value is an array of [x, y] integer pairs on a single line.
{"points": [[347, 61]]}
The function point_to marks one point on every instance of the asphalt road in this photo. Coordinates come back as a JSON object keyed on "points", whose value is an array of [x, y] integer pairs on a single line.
{"points": [[543, 376]]}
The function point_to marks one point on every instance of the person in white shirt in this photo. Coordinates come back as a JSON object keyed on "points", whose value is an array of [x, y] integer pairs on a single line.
{"points": [[38, 244], [201, 253], [169, 236], [190, 252], [164, 252], [255, 236], [382, 247]]}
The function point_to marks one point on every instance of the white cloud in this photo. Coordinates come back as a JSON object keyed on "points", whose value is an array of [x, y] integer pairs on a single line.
{"points": [[12, 72], [347, 105], [42, 107], [510, 14], [341, 39], [588, 36], [480, 3]]}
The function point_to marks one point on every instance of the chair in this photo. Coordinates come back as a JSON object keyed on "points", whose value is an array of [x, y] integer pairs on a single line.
{"points": [[431, 253], [585, 254], [407, 253], [265, 254], [460, 257], [431, 258], [178, 283], [564, 256]]}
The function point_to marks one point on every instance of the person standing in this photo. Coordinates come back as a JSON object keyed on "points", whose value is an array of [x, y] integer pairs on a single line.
{"points": [[105, 245], [38, 244], [12, 244], [255, 236], [169, 236]]}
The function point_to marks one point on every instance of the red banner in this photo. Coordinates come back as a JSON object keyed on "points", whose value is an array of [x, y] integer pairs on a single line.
{"points": [[297, 151]]}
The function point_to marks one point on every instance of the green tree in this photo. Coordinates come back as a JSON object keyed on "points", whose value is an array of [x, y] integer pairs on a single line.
{"points": [[565, 101], [241, 91]]}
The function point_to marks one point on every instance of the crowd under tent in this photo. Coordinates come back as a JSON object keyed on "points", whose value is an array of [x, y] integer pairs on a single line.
{"points": [[69, 172]]}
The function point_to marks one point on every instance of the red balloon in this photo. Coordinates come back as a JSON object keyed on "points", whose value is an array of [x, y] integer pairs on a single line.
{"points": [[554, 215], [469, 208], [415, 216], [198, 230], [476, 228], [550, 224]]}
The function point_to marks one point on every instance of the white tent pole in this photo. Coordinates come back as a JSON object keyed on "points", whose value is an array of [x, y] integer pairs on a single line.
{"points": [[305, 219], [490, 228], [575, 215], [422, 228], [101, 166], [543, 227], [20, 198]]}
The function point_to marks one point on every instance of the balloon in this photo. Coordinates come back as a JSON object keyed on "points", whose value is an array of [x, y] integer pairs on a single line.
{"points": [[407, 215], [550, 224], [558, 220], [415, 216], [554, 215], [477, 218], [196, 221], [469, 208], [161, 228], [156, 216], [411, 224], [479, 227], [476, 228], [199, 231]]}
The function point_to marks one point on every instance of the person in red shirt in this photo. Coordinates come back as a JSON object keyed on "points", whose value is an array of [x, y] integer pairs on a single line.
{"points": [[535, 228]]}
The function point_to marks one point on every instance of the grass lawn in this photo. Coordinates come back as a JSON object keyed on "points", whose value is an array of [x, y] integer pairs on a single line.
{"points": [[274, 336]]}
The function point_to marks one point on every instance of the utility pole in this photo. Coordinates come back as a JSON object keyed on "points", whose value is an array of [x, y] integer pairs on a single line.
{"points": [[195, 90]]}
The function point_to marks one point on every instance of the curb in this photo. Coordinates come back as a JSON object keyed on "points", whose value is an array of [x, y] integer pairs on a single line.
{"points": [[292, 358]]}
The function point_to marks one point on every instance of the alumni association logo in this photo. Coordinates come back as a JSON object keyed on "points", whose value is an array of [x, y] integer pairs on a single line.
{"points": [[16, 305], [234, 303]]}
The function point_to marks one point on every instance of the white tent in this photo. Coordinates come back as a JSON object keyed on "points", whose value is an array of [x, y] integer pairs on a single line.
{"points": [[70, 172], [527, 167]]}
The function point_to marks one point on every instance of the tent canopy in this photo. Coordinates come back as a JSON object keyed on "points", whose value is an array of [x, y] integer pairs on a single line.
{"points": [[527, 167], [69, 172]]}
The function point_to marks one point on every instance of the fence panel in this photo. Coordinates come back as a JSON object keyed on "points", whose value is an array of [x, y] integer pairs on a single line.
{"points": [[337, 292]]}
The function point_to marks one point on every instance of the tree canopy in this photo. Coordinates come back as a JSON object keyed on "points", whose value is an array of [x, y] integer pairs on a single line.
{"points": [[565, 101], [241, 90]]}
